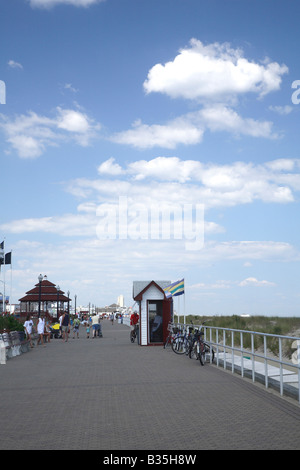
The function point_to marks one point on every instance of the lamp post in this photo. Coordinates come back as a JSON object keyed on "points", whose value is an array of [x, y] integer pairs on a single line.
{"points": [[58, 289], [68, 293], [40, 278], [75, 303]]}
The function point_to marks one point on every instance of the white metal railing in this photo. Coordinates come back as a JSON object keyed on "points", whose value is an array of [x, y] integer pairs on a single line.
{"points": [[230, 350]]}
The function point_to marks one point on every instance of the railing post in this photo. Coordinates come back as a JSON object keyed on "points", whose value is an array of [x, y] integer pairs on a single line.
{"points": [[221, 346], [280, 359], [217, 341], [242, 359], [232, 351], [266, 362], [298, 362], [224, 344], [253, 362], [210, 340]]}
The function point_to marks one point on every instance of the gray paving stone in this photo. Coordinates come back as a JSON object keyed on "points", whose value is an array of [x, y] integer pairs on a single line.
{"points": [[108, 394]]}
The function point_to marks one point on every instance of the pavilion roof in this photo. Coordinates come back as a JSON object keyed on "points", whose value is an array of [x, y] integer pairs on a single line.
{"points": [[44, 298], [48, 293]]}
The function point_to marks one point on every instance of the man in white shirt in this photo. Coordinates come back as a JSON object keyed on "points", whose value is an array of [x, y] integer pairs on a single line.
{"points": [[28, 325]]}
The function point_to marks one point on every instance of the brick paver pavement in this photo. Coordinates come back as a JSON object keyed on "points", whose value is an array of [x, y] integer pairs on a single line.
{"points": [[109, 394]]}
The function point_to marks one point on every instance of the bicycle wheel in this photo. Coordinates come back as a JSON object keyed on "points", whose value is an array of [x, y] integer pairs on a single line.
{"points": [[132, 336], [188, 346], [193, 351], [201, 353], [168, 342], [209, 350], [178, 345]]}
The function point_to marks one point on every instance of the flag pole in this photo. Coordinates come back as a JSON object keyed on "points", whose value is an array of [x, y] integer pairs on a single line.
{"points": [[4, 305], [1, 264], [184, 302], [10, 282]]}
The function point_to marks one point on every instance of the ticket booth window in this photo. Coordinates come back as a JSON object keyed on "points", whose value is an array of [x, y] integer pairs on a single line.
{"points": [[155, 321]]}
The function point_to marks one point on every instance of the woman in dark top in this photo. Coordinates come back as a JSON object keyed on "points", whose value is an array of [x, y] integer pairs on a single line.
{"points": [[65, 326]]}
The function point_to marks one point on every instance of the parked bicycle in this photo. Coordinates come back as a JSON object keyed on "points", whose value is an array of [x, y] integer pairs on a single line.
{"points": [[182, 341], [193, 345], [171, 335], [200, 349], [189, 340]]}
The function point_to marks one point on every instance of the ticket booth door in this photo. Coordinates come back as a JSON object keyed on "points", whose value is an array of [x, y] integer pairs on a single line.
{"points": [[155, 321]]}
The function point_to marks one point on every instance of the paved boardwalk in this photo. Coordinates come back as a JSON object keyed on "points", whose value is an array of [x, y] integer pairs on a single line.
{"points": [[109, 394]]}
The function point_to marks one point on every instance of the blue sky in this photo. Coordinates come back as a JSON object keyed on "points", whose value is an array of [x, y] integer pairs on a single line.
{"points": [[163, 104]]}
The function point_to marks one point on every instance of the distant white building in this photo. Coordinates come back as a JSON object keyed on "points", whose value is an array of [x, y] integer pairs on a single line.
{"points": [[121, 301]]}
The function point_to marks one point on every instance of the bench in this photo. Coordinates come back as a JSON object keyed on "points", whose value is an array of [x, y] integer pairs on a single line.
{"points": [[5, 347], [12, 344]]}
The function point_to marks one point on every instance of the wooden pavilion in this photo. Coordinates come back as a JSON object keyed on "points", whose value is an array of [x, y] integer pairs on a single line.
{"points": [[47, 295]]}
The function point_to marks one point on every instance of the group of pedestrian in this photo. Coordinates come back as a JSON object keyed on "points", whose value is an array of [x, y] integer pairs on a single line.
{"points": [[43, 330], [93, 321]]}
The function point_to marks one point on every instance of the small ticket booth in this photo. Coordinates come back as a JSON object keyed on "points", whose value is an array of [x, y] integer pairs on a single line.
{"points": [[154, 309]]}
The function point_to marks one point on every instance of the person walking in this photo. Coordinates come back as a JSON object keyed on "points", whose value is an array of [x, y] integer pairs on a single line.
{"points": [[60, 327], [95, 325], [28, 325], [47, 332], [134, 322], [100, 327], [65, 325], [76, 328], [41, 330]]}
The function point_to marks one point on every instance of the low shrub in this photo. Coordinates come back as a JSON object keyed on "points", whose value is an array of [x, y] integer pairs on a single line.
{"points": [[9, 322]]}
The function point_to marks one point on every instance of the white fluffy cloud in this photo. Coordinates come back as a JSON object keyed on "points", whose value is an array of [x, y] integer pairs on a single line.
{"points": [[190, 128], [15, 65], [252, 281], [283, 110], [52, 3], [214, 185], [163, 182], [29, 135], [108, 275], [215, 71], [222, 118], [179, 131], [110, 168], [169, 183], [213, 76], [225, 284]]}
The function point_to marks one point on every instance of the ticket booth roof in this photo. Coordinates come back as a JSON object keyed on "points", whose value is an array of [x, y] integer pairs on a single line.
{"points": [[139, 287]]}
